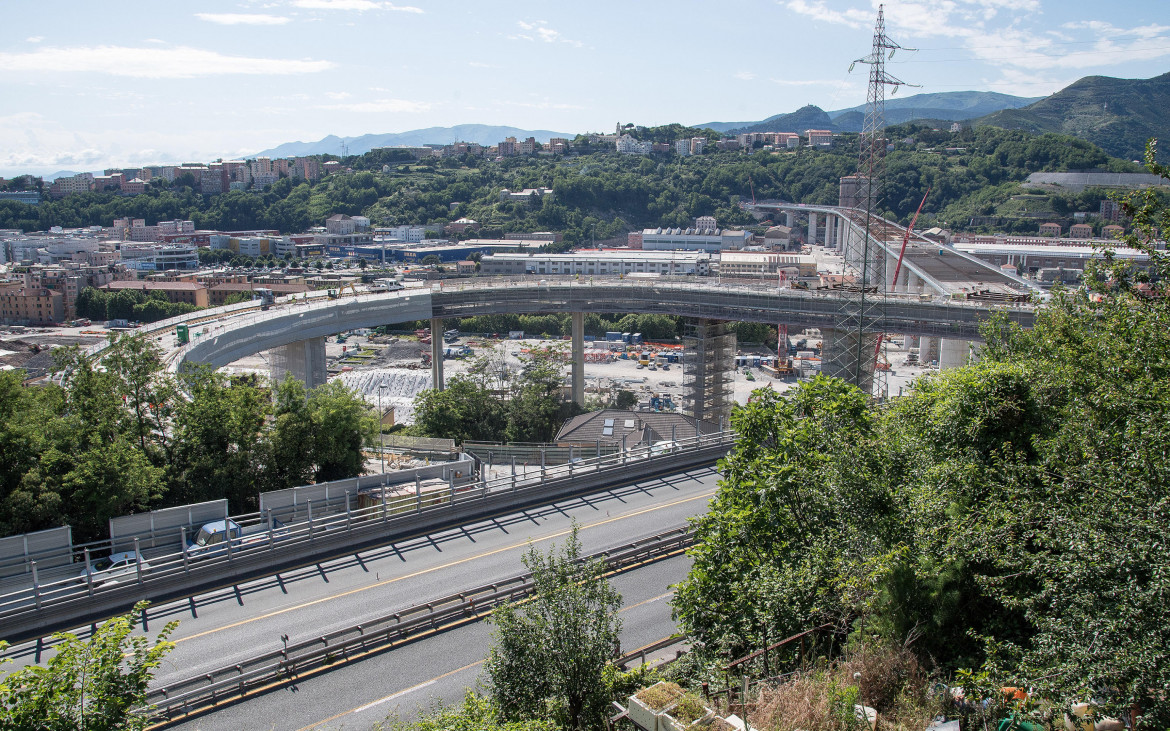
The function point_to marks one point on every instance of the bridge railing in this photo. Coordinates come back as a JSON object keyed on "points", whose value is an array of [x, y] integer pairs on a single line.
{"points": [[70, 596]]}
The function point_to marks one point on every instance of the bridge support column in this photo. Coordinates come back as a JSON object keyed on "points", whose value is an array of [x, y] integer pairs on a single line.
{"points": [[903, 283], [578, 337], [843, 357], [831, 223], [812, 227], [927, 350], [891, 265], [304, 361], [953, 353], [788, 219], [437, 353], [913, 283]]}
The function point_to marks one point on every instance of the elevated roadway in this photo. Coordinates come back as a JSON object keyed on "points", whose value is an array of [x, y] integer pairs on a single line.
{"points": [[297, 330]]}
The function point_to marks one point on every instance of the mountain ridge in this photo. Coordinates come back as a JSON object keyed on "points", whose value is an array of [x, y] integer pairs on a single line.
{"points": [[482, 134]]}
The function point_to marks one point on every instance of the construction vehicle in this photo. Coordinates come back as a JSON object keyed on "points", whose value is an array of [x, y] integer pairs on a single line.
{"points": [[266, 296], [340, 291], [183, 333]]}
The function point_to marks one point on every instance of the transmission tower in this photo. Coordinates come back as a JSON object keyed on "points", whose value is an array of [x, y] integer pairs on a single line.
{"points": [[851, 350]]}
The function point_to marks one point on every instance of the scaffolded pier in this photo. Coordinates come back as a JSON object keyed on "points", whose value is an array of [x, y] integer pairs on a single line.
{"points": [[708, 370]]}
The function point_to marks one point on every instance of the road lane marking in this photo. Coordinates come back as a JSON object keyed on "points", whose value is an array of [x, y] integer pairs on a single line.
{"points": [[512, 547], [437, 678]]}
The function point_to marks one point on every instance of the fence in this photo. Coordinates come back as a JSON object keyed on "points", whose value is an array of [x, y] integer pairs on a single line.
{"points": [[494, 453], [46, 548], [163, 528], [67, 599]]}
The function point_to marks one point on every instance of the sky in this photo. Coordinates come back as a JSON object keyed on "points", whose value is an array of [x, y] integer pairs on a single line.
{"points": [[92, 84]]}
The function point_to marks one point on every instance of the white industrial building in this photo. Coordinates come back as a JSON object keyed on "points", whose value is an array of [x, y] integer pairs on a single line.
{"points": [[601, 263], [766, 264], [694, 239]]}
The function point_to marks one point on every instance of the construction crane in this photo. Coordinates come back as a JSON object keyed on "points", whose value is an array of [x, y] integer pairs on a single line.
{"points": [[898, 269]]}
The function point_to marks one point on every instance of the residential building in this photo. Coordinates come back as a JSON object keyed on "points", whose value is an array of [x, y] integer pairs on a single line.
{"points": [[1081, 231], [819, 137], [31, 306], [462, 225], [191, 293], [1112, 231], [341, 224], [1050, 229], [508, 148], [80, 183], [558, 146], [528, 146], [614, 428], [627, 145], [1111, 211], [525, 195], [692, 146], [589, 262]]}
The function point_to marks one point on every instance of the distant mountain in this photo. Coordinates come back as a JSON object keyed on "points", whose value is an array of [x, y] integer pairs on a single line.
{"points": [[58, 174], [480, 133], [810, 117], [953, 105], [1117, 115], [949, 105]]}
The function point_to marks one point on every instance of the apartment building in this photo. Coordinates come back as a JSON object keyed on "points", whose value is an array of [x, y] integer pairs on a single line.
{"points": [[21, 305]]}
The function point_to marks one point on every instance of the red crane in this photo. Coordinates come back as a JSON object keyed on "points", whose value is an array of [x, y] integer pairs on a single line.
{"points": [[898, 268]]}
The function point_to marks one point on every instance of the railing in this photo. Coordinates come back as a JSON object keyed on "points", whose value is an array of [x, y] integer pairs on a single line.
{"points": [[69, 598], [297, 659]]}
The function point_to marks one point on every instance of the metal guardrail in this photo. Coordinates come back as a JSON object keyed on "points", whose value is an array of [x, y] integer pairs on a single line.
{"points": [[72, 600], [181, 698]]}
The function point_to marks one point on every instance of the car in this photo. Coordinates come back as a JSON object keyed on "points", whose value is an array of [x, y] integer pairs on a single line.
{"points": [[116, 567]]}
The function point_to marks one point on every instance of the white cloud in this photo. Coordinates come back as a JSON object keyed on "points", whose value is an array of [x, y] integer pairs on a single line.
{"points": [[34, 39], [543, 33], [153, 63], [852, 17], [242, 18], [744, 75], [359, 5], [393, 106], [337, 94]]}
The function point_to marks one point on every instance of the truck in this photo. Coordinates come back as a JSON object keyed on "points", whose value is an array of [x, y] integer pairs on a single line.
{"points": [[266, 296], [215, 537]]}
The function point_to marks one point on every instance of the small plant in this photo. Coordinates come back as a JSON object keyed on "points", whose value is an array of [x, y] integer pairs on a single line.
{"points": [[688, 710], [658, 697]]}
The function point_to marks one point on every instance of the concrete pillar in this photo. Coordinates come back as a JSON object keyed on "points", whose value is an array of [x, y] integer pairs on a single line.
{"points": [[891, 265], [437, 353], [830, 230], [953, 353], [578, 337], [903, 283], [913, 283], [927, 349], [842, 356], [812, 227], [788, 219], [304, 360]]}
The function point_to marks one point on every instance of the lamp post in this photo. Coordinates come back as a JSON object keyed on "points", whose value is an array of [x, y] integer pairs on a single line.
{"points": [[381, 416]]}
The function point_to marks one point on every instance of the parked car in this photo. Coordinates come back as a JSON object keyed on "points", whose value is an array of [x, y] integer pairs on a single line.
{"points": [[116, 567]]}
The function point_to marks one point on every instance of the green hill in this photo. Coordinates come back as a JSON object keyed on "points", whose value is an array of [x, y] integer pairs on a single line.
{"points": [[1117, 115]]}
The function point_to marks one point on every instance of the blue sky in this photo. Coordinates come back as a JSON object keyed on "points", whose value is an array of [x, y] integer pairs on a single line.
{"points": [[91, 84]]}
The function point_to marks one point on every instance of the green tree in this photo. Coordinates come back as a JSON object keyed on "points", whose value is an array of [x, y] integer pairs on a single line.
{"points": [[465, 410], [475, 713], [342, 423], [534, 410], [92, 685], [550, 653]]}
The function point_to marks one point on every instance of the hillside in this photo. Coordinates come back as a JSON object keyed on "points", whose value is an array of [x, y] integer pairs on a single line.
{"points": [[479, 133], [1117, 115], [949, 105], [810, 117]]}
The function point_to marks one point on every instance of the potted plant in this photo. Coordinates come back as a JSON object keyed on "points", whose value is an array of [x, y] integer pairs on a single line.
{"points": [[687, 712], [646, 705]]}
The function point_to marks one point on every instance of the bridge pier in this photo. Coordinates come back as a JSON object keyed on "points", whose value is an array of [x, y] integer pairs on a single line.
{"points": [[953, 353], [303, 360], [437, 353], [812, 227], [841, 353], [788, 219], [927, 349], [578, 338], [708, 363]]}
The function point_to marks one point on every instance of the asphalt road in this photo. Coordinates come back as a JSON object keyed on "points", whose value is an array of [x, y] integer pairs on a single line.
{"points": [[438, 669], [225, 626]]}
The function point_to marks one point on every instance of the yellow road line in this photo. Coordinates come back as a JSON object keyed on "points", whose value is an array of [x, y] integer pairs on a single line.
{"points": [[457, 562]]}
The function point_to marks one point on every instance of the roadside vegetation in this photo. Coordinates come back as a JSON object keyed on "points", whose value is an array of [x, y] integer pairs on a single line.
{"points": [[121, 438]]}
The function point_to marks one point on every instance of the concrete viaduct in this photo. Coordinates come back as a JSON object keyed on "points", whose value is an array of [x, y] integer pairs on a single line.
{"points": [[296, 331]]}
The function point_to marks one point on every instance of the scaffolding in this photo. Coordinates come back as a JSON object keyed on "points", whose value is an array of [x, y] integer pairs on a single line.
{"points": [[709, 370]]}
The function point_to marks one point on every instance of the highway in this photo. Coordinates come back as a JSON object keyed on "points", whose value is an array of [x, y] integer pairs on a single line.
{"points": [[223, 627]]}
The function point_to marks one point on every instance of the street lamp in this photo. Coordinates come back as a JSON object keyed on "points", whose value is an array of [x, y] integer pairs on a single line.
{"points": [[381, 416]]}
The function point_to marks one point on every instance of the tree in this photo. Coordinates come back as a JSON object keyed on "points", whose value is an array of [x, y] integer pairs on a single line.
{"points": [[626, 399], [342, 423], [431, 260], [476, 713], [465, 410], [93, 685], [535, 406], [551, 652]]}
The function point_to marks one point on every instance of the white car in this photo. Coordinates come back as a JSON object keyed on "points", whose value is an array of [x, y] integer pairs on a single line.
{"points": [[116, 567]]}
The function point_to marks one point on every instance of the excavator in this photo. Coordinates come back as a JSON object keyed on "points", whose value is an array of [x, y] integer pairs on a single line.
{"points": [[340, 291]]}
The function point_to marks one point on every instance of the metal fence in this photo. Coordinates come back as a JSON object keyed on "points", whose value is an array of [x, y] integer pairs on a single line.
{"points": [[388, 513]]}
